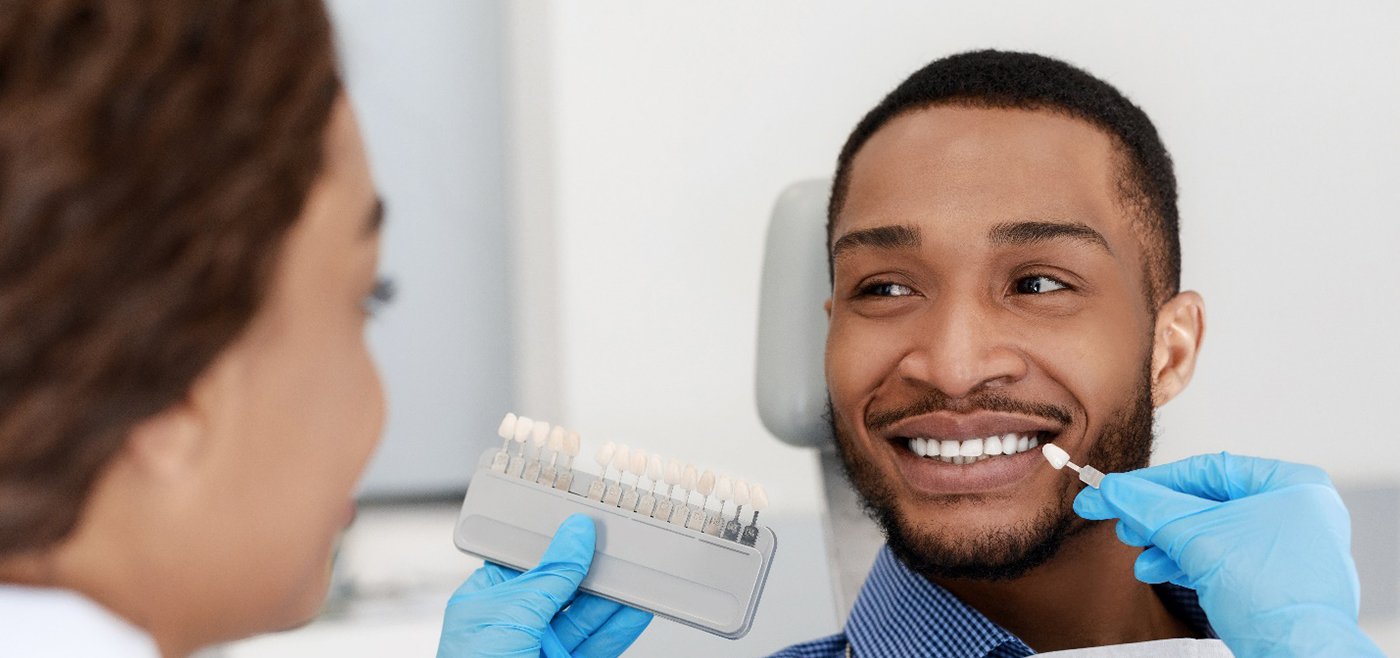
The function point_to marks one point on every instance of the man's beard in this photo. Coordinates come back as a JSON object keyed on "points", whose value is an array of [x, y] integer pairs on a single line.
{"points": [[1125, 443]]}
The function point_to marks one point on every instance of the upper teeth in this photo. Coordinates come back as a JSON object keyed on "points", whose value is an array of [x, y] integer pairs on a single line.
{"points": [[972, 450]]}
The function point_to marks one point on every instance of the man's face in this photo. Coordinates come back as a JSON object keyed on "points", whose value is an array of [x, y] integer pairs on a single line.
{"points": [[988, 282]]}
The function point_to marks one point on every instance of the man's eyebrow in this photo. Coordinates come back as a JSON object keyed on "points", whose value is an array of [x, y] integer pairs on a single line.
{"points": [[1030, 232], [375, 219], [897, 236]]}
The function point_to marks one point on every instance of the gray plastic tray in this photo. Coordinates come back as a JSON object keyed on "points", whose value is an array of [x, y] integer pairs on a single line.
{"points": [[700, 580]]}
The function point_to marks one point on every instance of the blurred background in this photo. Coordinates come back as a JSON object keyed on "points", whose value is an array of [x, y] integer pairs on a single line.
{"points": [[578, 194]]}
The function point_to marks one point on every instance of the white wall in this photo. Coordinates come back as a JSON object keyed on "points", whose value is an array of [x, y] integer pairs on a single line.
{"points": [[425, 77]]}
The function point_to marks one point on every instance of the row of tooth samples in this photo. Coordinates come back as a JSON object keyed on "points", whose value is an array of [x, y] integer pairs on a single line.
{"points": [[973, 450], [649, 500], [543, 454]]}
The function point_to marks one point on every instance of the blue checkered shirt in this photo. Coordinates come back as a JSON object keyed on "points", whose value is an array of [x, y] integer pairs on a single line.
{"points": [[900, 613]]}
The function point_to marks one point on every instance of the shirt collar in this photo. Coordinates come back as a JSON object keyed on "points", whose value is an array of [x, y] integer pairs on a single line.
{"points": [[900, 613]]}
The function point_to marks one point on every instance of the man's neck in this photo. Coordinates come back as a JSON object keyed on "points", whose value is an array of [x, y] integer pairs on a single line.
{"points": [[1084, 596]]}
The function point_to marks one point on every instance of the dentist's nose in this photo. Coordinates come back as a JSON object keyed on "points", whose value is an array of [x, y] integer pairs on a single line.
{"points": [[959, 350]]}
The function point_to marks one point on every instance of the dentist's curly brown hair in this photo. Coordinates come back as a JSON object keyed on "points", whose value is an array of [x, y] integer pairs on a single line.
{"points": [[153, 154]]}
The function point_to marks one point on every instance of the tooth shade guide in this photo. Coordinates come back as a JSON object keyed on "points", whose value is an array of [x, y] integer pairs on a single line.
{"points": [[691, 507], [507, 520]]}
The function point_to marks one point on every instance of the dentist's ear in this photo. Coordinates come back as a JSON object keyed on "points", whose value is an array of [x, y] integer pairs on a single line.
{"points": [[1176, 341]]}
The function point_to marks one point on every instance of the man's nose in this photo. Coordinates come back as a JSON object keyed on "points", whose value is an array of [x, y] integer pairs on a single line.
{"points": [[961, 346]]}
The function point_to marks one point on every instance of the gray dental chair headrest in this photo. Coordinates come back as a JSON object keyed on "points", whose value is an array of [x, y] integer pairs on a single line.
{"points": [[791, 384]]}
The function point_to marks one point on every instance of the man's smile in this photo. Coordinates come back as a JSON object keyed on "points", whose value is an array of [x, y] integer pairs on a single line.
{"points": [[944, 453]]}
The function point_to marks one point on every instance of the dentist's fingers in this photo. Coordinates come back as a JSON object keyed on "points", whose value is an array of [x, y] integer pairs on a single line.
{"points": [[1224, 476], [582, 619], [615, 635], [1153, 567]]}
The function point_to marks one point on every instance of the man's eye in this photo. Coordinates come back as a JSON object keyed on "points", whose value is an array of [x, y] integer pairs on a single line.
{"points": [[1038, 285], [886, 289]]}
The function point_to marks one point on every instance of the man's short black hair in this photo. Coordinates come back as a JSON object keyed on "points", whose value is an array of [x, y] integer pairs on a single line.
{"points": [[1012, 80]]}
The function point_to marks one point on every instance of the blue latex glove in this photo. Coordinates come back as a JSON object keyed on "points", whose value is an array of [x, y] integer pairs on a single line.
{"points": [[503, 612], [1266, 545]]}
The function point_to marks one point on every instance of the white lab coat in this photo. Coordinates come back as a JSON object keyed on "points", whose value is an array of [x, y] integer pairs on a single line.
{"points": [[40, 623]]}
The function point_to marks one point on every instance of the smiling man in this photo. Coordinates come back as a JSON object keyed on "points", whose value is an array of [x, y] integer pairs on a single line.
{"points": [[1005, 264]]}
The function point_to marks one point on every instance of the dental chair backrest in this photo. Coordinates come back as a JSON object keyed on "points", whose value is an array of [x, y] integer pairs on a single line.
{"points": [[791, 384], [790, 377]]}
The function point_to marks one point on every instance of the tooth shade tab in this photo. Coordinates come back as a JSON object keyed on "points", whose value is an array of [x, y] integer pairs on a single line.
{"points": [[621, 458], [741, 492], [689, 478], [706, 485], [758, 498], [507, 428], [949, 448], [523, 426], [673, 472], [970, 448], [724, 488], [572, 444], [654, 468], [556, 439], [638, 464], [605, 454], [1055, 455], [539, 433]]}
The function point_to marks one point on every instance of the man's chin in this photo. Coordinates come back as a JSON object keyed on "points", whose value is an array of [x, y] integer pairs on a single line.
{"points": [[995, 547]]}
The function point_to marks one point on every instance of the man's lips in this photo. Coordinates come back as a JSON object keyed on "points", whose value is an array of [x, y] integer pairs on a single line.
{"points": [[986, 472]]}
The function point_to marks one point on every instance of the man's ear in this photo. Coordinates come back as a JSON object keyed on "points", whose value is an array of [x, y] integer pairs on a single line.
{"points": [[1176, 341], [827, 305]]}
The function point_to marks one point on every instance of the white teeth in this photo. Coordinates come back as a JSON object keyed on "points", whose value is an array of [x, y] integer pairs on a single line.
{"points": [[971, 451]]}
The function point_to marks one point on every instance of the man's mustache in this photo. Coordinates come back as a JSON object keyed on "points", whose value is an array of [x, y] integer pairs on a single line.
{"points": [[935, 400]]}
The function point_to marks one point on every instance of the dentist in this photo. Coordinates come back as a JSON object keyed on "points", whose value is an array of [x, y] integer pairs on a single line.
{"points": [[188, 244]]}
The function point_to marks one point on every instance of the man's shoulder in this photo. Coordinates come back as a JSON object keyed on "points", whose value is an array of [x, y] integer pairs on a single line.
{"points": [[832, 646]]}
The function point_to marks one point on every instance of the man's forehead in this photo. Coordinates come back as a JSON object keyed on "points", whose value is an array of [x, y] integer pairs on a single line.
{"points": [[956, 169]]}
